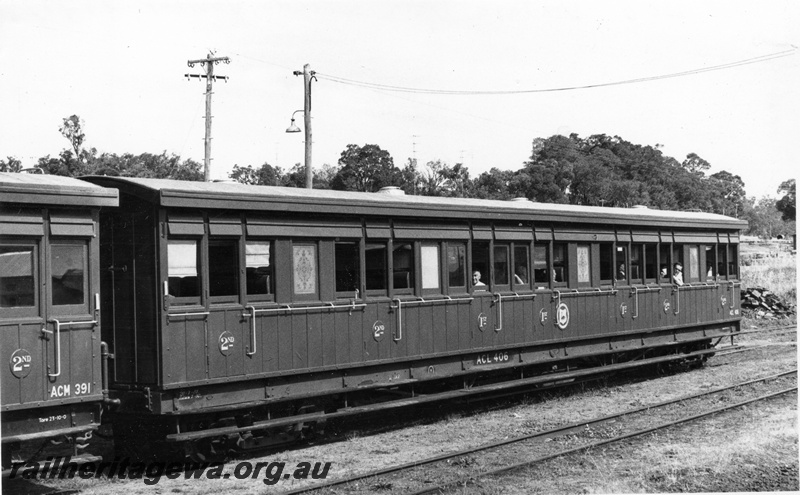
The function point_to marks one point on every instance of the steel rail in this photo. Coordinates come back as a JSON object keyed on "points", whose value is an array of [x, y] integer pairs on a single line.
{"points": [[686, 419], [544, 433]]}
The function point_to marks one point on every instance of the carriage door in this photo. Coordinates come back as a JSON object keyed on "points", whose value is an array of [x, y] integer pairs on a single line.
{"points": [[71, 330]]}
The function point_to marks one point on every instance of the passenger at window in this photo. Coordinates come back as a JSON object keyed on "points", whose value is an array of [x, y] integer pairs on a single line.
{"points": [[621, 272], [710, 273], [664, 274], [476, 280], [677, 274]]}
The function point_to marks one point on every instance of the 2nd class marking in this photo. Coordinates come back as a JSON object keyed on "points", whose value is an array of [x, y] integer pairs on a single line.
{"points": [[493, 358]]}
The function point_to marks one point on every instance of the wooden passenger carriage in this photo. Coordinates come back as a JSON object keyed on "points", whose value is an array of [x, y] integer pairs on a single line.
{"points": [[51, 385], [231, 304]]}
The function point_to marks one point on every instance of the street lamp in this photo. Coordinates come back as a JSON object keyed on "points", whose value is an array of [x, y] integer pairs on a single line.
{"points": [[292, 127]]}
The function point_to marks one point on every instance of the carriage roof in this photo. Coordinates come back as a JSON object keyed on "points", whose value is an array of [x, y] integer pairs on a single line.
{"points": [[236, 196], [53, 190]]}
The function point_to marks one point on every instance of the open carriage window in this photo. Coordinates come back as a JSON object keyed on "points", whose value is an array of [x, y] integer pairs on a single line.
{"points": [[457, 266], [541, 271], [560, 275], [403, 263], [223, 267], [348, 268]]}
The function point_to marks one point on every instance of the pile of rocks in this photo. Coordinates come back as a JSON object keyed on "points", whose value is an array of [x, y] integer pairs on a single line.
{"points": [[758, 302]]}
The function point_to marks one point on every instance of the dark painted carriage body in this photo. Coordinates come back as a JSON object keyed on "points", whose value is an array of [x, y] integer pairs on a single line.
{"points": [[49, 314], [216, 347]]}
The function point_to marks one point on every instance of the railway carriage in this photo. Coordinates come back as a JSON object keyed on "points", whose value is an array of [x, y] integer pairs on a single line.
{"points": [[50, 310], [233, 311]]}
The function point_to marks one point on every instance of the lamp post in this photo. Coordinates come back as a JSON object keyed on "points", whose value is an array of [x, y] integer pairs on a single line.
{"points": [[307, 76]]}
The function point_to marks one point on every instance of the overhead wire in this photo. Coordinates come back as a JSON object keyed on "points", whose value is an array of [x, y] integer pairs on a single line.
{"points": [[403, 89]]}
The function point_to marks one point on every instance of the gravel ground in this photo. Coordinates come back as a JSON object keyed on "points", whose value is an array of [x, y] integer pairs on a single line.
{"points": [[754, 449]]}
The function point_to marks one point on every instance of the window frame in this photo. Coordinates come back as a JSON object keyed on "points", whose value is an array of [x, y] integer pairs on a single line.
{"points": [[500, 285], [412, 272], [269, 296], [565, 275], [199, 299], [83, 308], [384, 246], [34, 310], [526, 285], [356, 292], [542, 247], [305, 296], [439, 289], [456, 289], [226, 298]]}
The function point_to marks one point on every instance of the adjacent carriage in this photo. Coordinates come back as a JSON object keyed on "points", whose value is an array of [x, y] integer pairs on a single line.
{"points": [[236, 311], [52, 385]]}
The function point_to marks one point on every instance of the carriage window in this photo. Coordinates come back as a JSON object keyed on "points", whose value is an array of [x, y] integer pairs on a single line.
{"points": [[621, 272], [733, 263], [501, 265], [403, 259], [258, 263], [637, 263], [693, 268], [560, 263], [375, 259], [606, 263], [521, 265], [584, 265], [711, 262], [650, 261], [480, 265], [17, 287], [223, 267], [68, 265], [541, 273], [430, 267], [664, 262], [184, 279], [305, 269], [346, 261], [456, 265]]}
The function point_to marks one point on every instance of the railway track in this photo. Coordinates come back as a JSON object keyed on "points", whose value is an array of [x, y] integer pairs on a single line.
{"points": [[462, 458]]}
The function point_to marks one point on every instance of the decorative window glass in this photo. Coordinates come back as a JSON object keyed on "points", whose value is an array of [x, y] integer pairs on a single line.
{"points": [[584, 265], [17, 287], [182, 256], [305, 269], [693, 270], [430, 267], [258, 267], [456, 265], [67, 265]]}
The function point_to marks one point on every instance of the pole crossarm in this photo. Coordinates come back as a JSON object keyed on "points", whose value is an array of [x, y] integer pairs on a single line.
{"points": [[210, 78]]}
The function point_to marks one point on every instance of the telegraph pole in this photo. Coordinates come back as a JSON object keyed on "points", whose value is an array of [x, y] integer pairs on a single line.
{"points": [[208, 64], [308, 74]]}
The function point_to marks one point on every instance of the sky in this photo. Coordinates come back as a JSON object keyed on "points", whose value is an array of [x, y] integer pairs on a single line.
{"points": [[481, 79]]}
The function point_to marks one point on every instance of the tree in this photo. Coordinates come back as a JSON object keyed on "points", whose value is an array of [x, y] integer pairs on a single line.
{"points": [[72, 129], [266, 175], [786, 205], [11, 164], [695, 165], [366, 168]]}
